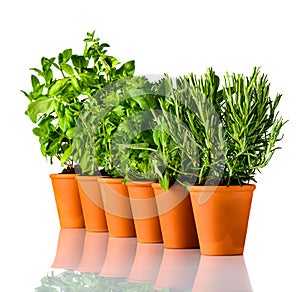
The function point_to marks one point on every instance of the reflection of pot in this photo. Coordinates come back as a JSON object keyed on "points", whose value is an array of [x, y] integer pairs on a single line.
{"points": [[92, 204], [94, 252], [178, 269], [146, 262], [119, 257], [69, 248], [222, 273], [67, 200]]}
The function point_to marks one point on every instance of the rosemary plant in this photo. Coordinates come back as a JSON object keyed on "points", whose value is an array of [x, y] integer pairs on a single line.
{"points": [[216, 135]]}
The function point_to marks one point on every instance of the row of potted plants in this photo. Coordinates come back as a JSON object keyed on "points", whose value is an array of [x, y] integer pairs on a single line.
{"points": [[193, 143]]}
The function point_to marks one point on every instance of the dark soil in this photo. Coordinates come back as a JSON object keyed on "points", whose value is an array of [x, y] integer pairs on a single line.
{"points": [[77, 170]]}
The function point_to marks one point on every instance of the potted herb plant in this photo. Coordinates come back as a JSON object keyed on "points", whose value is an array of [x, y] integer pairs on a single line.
{"points": [[172, 200], [236, 129], [59, 89], [110, 70], [134, 145], [96, 127]]}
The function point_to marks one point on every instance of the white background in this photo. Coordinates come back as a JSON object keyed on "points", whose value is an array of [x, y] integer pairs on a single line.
{"points": [[162, 36]]}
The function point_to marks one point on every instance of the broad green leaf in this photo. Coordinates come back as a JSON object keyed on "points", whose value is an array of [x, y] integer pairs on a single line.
{"points": [[48, 76], [89, 79], [111, 61], [68, 69], [42, 106], [75, 84], [58, 86], [129, 68], [67, 54], [63, 123], [70, 133], [126, 69], [35, 82], [37, 131]]}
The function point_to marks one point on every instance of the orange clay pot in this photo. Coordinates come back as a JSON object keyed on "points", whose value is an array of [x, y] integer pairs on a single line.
{"points": [[69, 248], [221, 215], [176, 217], [117, 207], [94, 252], [67, 200], [144, 212], [92, 204]]}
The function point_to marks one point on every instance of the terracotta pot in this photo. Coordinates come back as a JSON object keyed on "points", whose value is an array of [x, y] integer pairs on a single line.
{"points": [[176, 217], [117, 207], [221, 215], [146, 263], [119, 257], [222, 273], [92, 204], [94, 252], [67, 200], [69, 248], [178, 269], [144, 210]]}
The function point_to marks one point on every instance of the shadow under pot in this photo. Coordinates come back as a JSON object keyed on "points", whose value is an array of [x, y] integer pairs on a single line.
{"points": [[67, 200]]}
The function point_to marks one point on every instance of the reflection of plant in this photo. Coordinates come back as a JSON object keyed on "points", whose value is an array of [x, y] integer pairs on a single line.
{"points": [[73, 281], [60, 88]]}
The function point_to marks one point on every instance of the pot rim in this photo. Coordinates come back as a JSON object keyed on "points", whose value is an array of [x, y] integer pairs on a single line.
{"points": [[89, 177], [138, 183], [243, 188], [110, 180], [63, 175]]}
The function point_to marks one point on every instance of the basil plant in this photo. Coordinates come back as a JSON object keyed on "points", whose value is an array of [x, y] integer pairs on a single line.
{"points": [[61, 86]]}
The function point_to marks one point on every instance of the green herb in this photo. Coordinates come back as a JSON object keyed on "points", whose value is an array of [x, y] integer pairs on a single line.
{"points": [[217, 136], [60, 88]]}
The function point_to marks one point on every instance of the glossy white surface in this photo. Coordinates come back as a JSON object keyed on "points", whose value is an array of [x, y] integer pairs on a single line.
{"points": [[162, 36]]}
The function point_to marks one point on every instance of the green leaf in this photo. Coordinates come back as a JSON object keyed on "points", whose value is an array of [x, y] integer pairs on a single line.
{"points": [[164, 182], [75, 84], [89, 79], [111, 61], [67, 54], [58, 86], [42, 106], [35, 82], [70, 133], [48, 76], [129, 68], [68, 69], [126, 69]]}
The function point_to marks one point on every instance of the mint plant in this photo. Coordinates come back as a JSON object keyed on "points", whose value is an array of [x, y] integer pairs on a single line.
{"points": [[105, 124], [60, 88]]}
